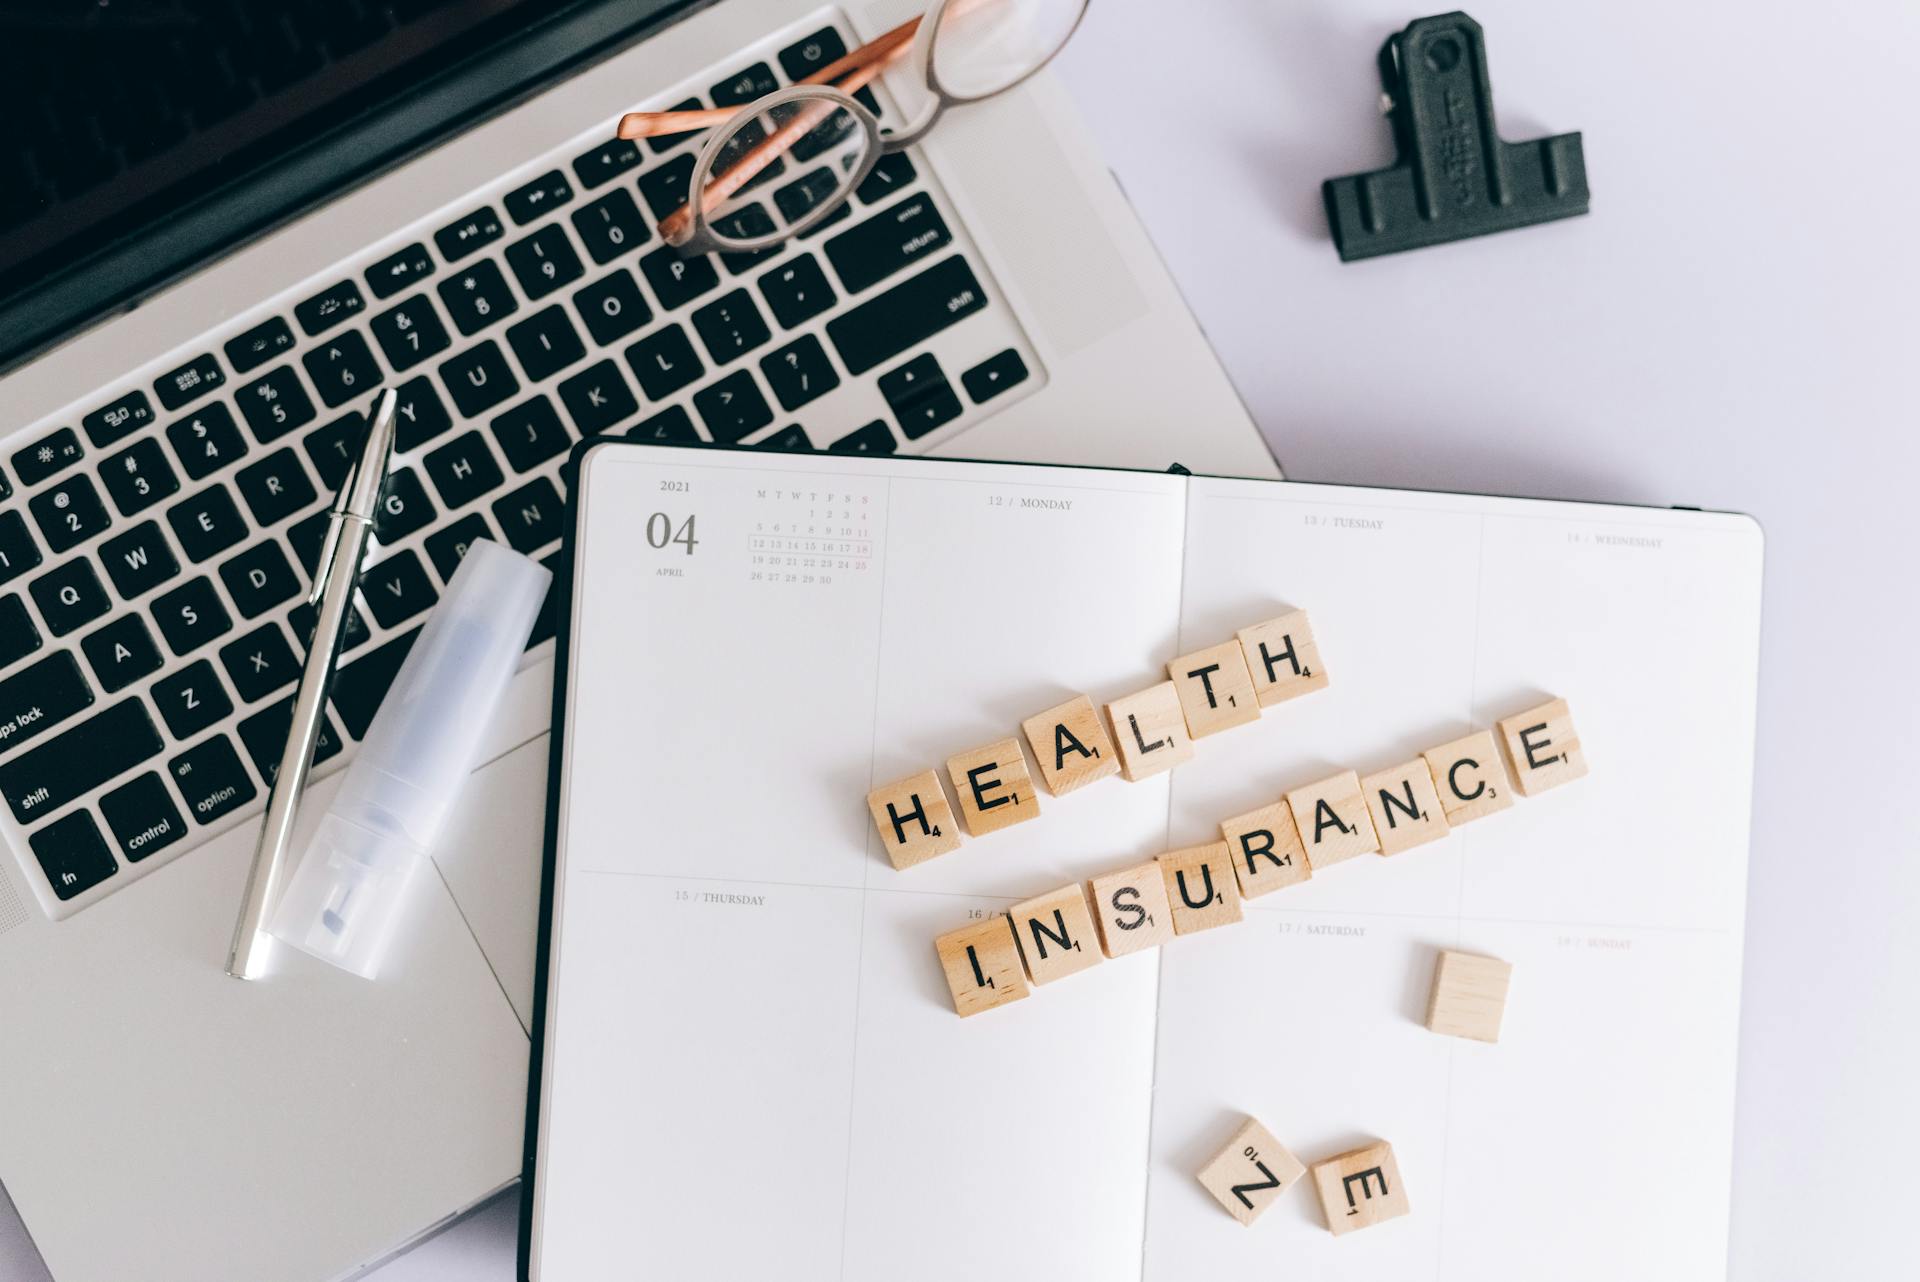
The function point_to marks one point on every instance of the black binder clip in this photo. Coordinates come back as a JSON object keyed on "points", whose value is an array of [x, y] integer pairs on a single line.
{"points": [[1455, 178]]}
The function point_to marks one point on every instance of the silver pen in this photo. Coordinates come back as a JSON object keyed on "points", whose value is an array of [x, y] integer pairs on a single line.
{"points": [[332, 598]]}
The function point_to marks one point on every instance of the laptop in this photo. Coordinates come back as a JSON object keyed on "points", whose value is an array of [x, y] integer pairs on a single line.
{"points": [[213, 222]]}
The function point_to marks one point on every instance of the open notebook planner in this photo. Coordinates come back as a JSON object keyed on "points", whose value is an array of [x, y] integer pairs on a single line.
{"points": [[749, 1063]]}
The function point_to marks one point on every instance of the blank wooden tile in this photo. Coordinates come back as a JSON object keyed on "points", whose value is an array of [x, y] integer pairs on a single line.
{"points": [[1361, 1188], [1215, 689], [1056, 934], [993, 787], [982, 965], [913, 819], [1469, 995], [1469, 776], [1251, 1172], [1282, 658], [1201, 888], [1131, 910], [1150, 731], [1267, 854], [1071, 745], [1331, 817], [1543, 747], [1404, 807]]}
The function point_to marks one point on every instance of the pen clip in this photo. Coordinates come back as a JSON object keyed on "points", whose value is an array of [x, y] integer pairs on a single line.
{"points": [[352, 503]]}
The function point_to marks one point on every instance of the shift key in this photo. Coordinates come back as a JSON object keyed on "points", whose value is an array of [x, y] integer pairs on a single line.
{"points": [[908, 314], [77, 761], [40, 697]]}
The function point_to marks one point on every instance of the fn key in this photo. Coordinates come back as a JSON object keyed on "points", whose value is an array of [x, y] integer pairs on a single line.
{"points": [[73, 854]]}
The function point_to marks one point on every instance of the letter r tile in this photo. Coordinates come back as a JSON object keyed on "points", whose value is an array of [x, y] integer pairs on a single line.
{"points": [[993, 786]]}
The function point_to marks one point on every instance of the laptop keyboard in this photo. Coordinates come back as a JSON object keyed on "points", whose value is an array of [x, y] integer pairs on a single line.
{"points": [[154, 558]]}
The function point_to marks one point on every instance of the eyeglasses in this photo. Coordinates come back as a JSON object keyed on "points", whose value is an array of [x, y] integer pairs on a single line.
{"points": [[960, 51]]}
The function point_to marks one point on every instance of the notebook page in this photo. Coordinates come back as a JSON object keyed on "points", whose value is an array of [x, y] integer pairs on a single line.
{"points": [[1618, 898], [755, 1066]]}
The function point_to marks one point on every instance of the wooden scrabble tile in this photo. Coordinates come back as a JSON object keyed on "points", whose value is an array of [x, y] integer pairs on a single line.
{"points": [[1071, 745], [1251, 1172], [982, 965], [1151, 731], [1544, 748], [1130, 908], [1267, 854], [1215, 689], [993, 786], [913, 819], [1056, 934], [1200, 887], [1361, 1188], [1332, 819], [1282, 658], [1404, 807], [1469, 777], [1469, 996]]}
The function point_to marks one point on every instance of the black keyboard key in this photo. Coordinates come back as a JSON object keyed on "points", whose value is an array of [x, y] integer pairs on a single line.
{"points": [[478, 379], [191, 699], [138, 476], [670, 424], [358, 687], [667, 142], [677, 281], [447, 547], [332, 450], [404, 506], [400, 270], [142, 817], [994, 375], [52, 453], [920, 396], [544, 261], [799, 372], [596, 398], [460, 238], [275, 487], [740, 142], [138, 560], [211, 779], [804, 194], [791, 437], [606, 162], [191, 615], [189, 382], [306, 536], [796, 291], [260, 662], [118, 420], [664, 362], [936, 409], [549, 191], [531, 433], [69, 513], [889, 175], [756, 81], [18, 638], [730, 326], [38, 698], [906, 315], [612, 306], [894, 239], [667, 187], [396, 589], [207, 523], [409, 332], [73, 854], [342, 368], [462, 470], [207, 440], [419, 417], [545, 342], [259, 345], [477, 296], [121, 652], [78, 760], [733, 407], [274, 404], [265, 736], [259, 579], [337, 302], [69, 596], [611, 226], [874, 438], [802, 58], [303, 619], [746, 225], [17, 551], [530, 516]]}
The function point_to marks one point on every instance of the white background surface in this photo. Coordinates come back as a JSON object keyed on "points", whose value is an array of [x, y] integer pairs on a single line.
{"points": [[1734, 326]]}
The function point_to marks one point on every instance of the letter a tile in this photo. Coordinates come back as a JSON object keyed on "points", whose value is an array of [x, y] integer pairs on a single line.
{"points": [[1056, 934], [1071, 746], [993, 786], [913, 819], [1544, 748], [1333, 821], [1361, 1188], [1251, 1172], [982, 965]]}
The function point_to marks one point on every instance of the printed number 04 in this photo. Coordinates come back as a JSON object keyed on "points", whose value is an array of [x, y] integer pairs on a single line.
{"points": [[660, 532]]}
